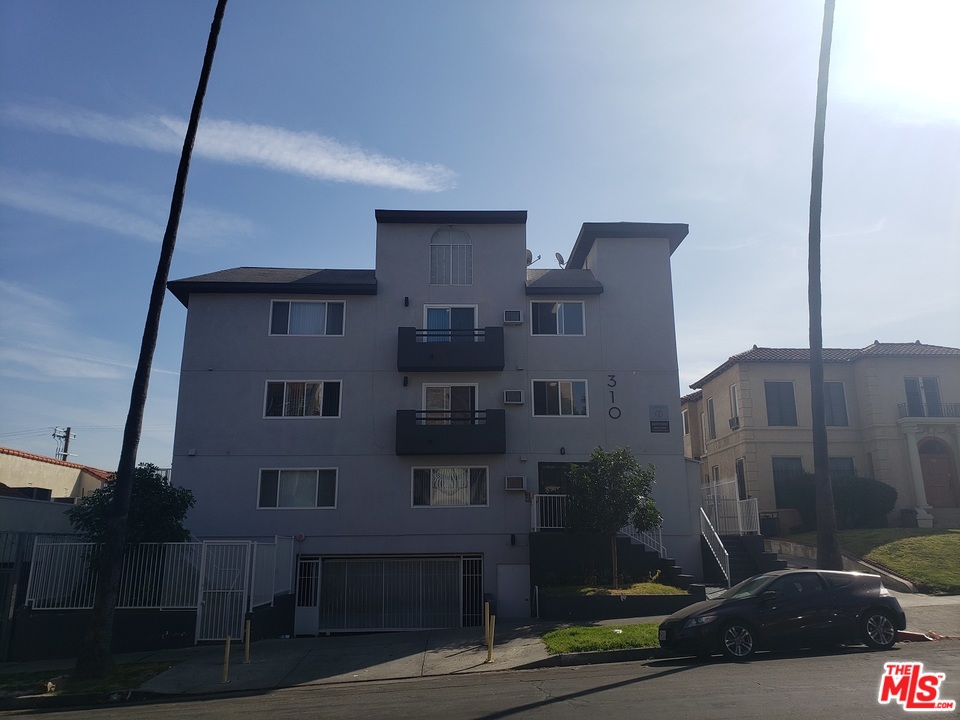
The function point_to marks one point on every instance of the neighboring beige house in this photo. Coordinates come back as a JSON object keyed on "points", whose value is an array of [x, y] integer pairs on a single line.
{"points": [[34, 475], [892, 410]]}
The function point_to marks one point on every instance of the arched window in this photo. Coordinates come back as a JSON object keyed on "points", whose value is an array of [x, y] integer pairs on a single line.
{"points": [[451, 257]]}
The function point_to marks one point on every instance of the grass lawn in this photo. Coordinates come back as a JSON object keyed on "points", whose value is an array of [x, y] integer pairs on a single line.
{"points": [[643, 588], [929, 558], [601, 637], [123, 677]]}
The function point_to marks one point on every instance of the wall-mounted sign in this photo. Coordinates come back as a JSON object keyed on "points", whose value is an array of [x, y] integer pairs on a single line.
{"points": [[659, 419]]}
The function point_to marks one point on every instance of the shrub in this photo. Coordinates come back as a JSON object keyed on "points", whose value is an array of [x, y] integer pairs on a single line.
{"points": [[859, 502]]}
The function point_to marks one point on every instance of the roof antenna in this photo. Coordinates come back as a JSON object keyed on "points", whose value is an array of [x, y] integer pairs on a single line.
{"points": [[560, 259]]}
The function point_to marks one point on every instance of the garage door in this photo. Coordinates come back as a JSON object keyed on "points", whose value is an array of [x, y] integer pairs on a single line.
{"points": [[409, 593]]}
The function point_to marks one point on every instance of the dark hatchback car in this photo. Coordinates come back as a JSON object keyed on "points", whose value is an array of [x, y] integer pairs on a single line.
{"points": [[787, 609]]}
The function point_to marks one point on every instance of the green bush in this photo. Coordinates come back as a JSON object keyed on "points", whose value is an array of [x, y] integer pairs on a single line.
{"points": [[859, 502]]}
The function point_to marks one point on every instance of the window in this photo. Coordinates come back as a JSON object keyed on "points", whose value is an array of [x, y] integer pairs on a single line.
{"points": [[298, 488], [781, 407], [734, 401], [306, 318], [560, 397], [711, 420], [303, 399], [685, 417], [450, 404], [841, 467], [741, 479], [449, 486], [715, 474], [784, 470], [835, 404], [451, 257], [556, 318], [923, 397], [446, 323]]}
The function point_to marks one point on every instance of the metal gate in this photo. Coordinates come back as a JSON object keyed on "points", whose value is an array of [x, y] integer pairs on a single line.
{"points": [[224, 589], [400, 593]]}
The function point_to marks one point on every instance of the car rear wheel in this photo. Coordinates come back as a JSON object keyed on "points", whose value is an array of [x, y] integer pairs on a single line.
{"points": [[877, 630], [737, 641]]}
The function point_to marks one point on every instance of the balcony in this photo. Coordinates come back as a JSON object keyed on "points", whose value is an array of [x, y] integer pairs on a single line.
{"points": [[449, 350], [920, 410], [422, 432]]}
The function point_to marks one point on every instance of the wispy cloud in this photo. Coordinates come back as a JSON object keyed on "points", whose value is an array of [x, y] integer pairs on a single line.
{"points": [[298, 153], [38, 344], [113, 207]]}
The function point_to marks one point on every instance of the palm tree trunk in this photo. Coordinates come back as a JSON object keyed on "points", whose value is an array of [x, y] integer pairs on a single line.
{"points": [[828, 546], [95, 658]]}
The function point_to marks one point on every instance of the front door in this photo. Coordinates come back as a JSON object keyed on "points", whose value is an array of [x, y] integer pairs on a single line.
{"points": [[939, 474]]}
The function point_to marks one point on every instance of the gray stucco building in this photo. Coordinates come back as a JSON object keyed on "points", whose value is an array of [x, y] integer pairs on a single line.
{"points": [[402, 422]]}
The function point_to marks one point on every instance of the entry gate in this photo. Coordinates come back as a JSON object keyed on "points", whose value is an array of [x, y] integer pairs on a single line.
{"points": [[224, 589]]}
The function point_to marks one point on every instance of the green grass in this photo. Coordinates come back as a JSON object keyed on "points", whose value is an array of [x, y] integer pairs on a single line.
{"points": [[122, 677], [930, 558], [643, 588], [601, 637]]}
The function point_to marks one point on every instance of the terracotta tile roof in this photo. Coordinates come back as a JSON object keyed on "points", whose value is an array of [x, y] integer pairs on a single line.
{"points": [[101, 475], [692, 397], [830, 355]]}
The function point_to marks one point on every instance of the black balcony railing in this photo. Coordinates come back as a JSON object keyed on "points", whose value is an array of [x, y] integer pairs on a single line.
{"points": [[421, 432], [938, 410], [449, 350]]}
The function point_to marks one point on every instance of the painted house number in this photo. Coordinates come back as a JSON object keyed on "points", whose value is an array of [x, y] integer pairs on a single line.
{"points": [[614, 411]]}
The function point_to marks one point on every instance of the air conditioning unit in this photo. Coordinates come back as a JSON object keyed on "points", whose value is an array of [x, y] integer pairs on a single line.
{"points": [[512, 317], [515, 482], [734, 423], [513, 397]]}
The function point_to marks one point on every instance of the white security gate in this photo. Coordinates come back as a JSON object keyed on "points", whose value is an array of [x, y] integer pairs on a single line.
{"points": [[306, 620], [224, 588]]}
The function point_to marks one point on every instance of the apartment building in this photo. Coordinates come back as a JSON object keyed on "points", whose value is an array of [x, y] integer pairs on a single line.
{"points": [[400, 423], [892, 414]]}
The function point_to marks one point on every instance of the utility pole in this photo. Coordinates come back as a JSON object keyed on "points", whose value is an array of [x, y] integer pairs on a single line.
{"points": [[63, 442]]}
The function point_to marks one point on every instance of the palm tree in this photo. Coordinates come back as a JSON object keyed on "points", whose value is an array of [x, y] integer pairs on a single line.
{"points": [[828, 545], [95, 658]]}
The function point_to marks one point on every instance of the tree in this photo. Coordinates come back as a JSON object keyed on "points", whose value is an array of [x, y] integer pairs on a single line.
{"points": [[608, 493], [828, 543], [157, 510], [94, 659]]}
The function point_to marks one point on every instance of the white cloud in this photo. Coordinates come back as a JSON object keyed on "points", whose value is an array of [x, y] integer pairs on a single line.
{"points": [[38, 344], [113, 207], [297, 153]]}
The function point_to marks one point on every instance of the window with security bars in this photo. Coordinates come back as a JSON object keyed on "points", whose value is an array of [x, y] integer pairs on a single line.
{"points": [[319, 398], [449, 487], [451, 257]]}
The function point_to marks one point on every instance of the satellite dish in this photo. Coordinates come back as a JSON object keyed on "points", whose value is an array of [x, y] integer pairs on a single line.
{"points": [[529, 257], [560, 259]]}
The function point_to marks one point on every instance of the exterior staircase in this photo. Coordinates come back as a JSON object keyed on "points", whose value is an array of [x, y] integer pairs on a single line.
{"points": [[746, 558]]}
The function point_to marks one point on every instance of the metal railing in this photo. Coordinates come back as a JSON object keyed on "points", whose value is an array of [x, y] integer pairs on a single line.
{"points": [[470, 335], [727, 513], [716, 545], [548, 512], [935, 410], [162, 576]]}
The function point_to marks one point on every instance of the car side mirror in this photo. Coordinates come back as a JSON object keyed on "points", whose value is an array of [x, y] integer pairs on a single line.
{"points": [[768, 595]]}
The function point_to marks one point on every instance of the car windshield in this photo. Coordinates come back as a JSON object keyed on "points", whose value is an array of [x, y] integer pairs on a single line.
{"points": [[746, 588]]}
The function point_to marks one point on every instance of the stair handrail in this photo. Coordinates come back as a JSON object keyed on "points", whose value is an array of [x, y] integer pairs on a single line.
{"points": [[715, 544], [651, 539]]}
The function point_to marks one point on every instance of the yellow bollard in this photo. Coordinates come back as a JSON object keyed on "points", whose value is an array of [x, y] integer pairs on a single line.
{"points": [[226, 662], [493, 626], [486, 623], [246, 645]]}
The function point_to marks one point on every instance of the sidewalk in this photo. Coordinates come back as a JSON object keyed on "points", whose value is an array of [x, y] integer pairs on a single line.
{"points": [[282, 663]]}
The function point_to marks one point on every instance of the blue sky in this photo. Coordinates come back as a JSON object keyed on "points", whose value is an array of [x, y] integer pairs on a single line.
{"points": [[318, 112]]}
